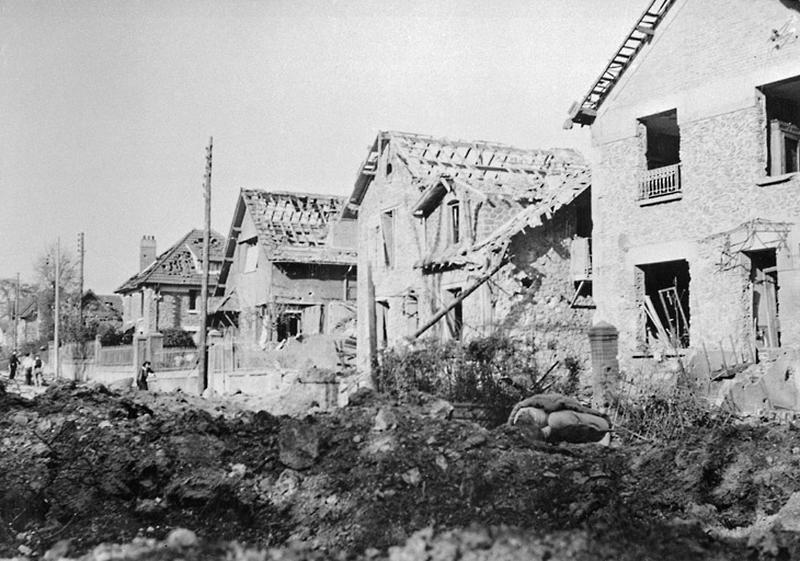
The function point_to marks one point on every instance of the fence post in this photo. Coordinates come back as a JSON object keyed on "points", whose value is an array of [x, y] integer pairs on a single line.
{"points": [[604, 343]]}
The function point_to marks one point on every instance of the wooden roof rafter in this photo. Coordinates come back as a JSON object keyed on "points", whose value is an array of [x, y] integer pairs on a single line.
{"points": [[585, 112]]}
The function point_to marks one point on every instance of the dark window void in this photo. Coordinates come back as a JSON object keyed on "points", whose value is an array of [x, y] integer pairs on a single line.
{"points": [[193, 300], [387, 233], [764, 280], [666, 302], [288, 325], [455, 222], [382, 311], [455, 317], [663, 139], [783, 126]]}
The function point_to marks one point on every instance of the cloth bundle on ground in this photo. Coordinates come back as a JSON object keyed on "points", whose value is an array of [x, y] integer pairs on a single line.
{"points": [[557, 418]]}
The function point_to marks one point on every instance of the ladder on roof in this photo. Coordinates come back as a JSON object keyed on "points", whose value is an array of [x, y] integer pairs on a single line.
{"points": [[639, 36]]}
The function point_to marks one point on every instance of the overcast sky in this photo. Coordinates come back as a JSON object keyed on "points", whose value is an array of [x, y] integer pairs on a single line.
{"points": [[106, 106]]}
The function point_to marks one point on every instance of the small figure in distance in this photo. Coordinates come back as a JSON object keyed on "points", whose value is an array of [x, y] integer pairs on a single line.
{"points": [[141, 377]]}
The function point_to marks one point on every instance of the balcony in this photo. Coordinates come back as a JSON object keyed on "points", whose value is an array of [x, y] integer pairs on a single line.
{"points": [[660, 185], [581, 259]]}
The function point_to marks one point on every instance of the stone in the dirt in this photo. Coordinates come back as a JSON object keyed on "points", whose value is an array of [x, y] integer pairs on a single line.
{"points": [[441, 409], [412, 476], [384, 420], [299, 445], [181, 538], [789, 514], [24, 549], [58, 550]]}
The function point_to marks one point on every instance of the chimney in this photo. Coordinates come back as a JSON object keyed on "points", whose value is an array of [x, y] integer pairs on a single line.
{"points": [[147, 251]]}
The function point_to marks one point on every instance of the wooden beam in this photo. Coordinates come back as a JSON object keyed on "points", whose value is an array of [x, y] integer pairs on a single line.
{"points": [[461, 297]]}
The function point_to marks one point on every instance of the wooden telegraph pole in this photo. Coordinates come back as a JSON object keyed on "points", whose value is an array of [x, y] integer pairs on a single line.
{"points": [[57, 309], [202, 375], [80, 281], [16, 316]]}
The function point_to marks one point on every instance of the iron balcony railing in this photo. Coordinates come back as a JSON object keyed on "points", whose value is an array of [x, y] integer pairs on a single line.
{"points": [[660, 182]]}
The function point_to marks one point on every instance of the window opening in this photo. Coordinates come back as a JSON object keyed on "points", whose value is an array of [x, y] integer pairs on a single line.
{"points": [[454, 318], [783, 126], [250, 256], [663, 139], [764, 280], [382, 309], [387, 231], [192, 300], [666, 303], [289, 324], [455, 222]]}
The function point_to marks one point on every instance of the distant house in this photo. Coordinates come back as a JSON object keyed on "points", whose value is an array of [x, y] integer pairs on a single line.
{"points": [[28, 322], [289, 267], [480, 232], [165, 294], [102, 309]]}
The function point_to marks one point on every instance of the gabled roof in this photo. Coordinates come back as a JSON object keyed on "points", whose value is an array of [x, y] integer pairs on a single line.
{"points": [[585, 112], [179, 265], [489, 167], [291, 227], [28, 308]]}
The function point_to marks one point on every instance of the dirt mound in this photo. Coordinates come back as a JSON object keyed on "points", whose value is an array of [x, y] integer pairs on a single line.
{"points": [[96, 466]]}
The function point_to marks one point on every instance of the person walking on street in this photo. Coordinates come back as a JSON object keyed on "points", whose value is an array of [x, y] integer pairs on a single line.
{"points": [[13, 362], [27, 366], [37, 371], [141, 377]]}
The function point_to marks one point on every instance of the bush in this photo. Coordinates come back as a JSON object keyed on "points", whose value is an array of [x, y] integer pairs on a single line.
{"points": [[494, 372], [177, 338], [112, 336], [665, 413]]}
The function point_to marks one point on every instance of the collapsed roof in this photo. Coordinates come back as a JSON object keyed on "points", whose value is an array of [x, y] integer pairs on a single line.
{"points": [[490, 168], [291, 228], [180, 265]]}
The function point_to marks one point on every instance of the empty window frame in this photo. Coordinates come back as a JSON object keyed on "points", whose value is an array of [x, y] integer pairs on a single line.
{"points": [[663, 139], [454, 213], [388, 237], [764, 282], [455, 317], [289, 324], [665, 302], [782, 101], [662, 179], [382, 323], [192, 300], [250, 248]]}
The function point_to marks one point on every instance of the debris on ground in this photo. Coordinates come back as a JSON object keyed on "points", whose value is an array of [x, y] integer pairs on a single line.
{"points": [[84, 466]]}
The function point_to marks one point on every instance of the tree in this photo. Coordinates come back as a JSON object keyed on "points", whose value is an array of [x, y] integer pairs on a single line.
{"points": [[45, 267]]}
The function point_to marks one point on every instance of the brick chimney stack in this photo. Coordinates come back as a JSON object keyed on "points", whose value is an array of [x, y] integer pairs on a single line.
{"points": [[147, 251]]}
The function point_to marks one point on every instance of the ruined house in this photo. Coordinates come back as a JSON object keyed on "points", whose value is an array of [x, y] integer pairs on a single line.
{"points": [[289, 267], [460, 239], [165, 293], [696, 124]]}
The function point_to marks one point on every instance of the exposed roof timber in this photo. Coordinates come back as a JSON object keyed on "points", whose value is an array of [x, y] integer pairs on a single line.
{"points": [[585, 112]]}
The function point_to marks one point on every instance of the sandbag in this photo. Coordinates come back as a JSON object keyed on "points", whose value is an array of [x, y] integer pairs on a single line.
{"points": [[556, 418]]}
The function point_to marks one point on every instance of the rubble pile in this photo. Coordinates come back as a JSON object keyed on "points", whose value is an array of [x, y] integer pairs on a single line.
{"points": [[375, 480]]}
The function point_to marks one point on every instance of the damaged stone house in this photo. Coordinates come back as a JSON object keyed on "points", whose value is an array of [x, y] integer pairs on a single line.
{"points": [[459, 239], [696, 126], [165, 293], [289, 268]]}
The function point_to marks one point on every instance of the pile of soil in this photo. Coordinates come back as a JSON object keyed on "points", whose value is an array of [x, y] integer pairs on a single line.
{"points": [[375, 480]]}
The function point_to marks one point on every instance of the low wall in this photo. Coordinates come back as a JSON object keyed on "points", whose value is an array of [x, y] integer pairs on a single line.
{"points": [[171, 380]]}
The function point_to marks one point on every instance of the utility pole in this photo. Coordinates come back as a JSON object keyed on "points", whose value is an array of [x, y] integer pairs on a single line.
{"points": [[16, 315], [57, 309], [202, 375], [80, 282]]}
